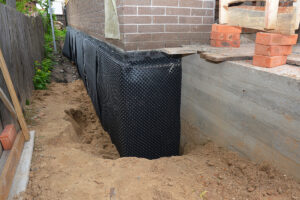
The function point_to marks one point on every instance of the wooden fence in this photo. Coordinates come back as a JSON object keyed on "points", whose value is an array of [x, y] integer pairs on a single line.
{"points": [[21, 41]]}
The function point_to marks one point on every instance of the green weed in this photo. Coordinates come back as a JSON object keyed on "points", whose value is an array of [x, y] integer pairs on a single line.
{"points": [[202, 194], [43, 70], [42, 74]]}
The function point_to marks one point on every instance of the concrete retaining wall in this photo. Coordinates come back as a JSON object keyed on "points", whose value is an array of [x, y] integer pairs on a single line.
{"points": [[254, 112]]}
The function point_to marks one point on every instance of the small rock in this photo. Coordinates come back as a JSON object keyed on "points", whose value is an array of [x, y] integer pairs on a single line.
{"points": [[242, 166], [251, 189], [269, 192], [220, 176], [170, 184], [210, 163], [229, 162], [294, 197]]}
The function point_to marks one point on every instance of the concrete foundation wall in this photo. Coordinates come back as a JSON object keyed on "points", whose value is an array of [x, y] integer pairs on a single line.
{"points": [[254, 112]]}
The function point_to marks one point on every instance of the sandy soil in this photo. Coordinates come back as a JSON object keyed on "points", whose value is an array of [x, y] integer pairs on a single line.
{"points": [[74, 159]]}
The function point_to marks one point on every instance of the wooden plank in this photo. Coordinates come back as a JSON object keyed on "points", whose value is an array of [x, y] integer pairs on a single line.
{"points": [[10, 167], [179, 51], [297, 14], [217, 57], [7, 103], [254, 17], [223, 11], [271, 12], [217, 54], [14, 97], [293, 59]]}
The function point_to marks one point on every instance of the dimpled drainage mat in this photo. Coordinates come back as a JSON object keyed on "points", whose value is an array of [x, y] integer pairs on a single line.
{"points": [[135, 94]]}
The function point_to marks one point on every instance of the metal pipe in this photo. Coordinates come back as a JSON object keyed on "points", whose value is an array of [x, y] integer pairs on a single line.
{"points": [[52, 27]]}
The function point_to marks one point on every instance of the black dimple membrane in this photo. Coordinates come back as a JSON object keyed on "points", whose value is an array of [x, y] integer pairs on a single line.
{"points": [[136, 95]]}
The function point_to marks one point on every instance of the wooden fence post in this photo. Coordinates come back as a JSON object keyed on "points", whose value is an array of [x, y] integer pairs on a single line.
{"points": [[11, 3]]}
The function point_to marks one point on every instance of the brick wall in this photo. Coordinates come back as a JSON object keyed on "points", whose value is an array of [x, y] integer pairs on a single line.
{"points": [[88, 16], [147, 24]]}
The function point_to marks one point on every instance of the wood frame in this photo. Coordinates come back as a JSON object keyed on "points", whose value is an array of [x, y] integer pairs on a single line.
{"points": [[284, 20]]}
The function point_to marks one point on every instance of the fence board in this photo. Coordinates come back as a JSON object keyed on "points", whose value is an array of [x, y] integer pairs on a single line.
{"points": [[21, 41]]}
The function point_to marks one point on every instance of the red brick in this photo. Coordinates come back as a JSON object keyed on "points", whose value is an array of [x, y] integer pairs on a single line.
{"points": [[190, 3], [198, 37], [151, 28], [165, 19], [208, 4], [226, 28], [225, 36], [178, 11], [224, 43], [269, 61], [190, 20], [208, 20], [275, 39], [151, 11], [8, 136], [170, 44], [128, 28], [200, 28], [137, 37], [202, 12], [135, 20], [129, 10], [164, 2], [130, 46], [151, 45], [169, 36], [177, 28], [136, 2], [268, 50]]}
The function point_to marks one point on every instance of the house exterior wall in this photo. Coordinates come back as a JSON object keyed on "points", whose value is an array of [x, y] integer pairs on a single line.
{"points": [[147, 24], [88, 16]]}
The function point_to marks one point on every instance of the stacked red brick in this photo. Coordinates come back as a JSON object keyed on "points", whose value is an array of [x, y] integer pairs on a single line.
{"points": [[272, 49], [225, 36]]}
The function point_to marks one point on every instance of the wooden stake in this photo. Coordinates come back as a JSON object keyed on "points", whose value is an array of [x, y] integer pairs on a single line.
{"points": [[10, 167], [7, 103], [14, 97]]}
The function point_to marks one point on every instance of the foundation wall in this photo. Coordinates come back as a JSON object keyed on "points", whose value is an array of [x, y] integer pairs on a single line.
{"points": [[147, 24], [254, 112]]}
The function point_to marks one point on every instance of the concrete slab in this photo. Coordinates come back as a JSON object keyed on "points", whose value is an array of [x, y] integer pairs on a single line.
{"points": [[22, 173]]}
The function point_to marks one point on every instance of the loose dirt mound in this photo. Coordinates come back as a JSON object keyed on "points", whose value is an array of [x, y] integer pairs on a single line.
{"points": [[74, 159]]}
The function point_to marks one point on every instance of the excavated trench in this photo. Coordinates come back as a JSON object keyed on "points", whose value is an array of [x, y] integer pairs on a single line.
{"points": [[74, 158]]}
